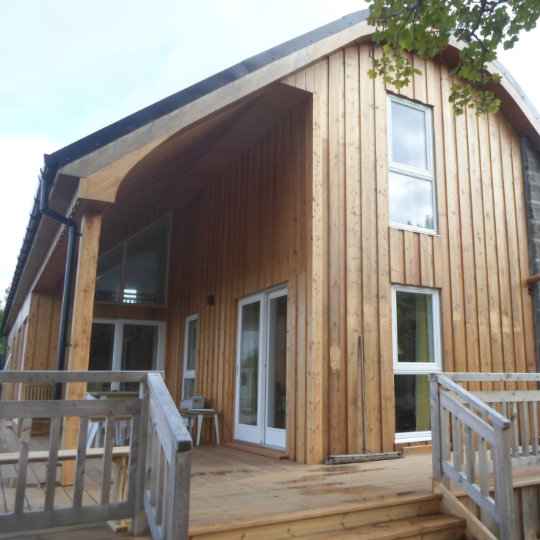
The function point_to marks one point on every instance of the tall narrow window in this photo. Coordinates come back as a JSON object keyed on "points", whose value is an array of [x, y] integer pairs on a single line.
{"points": [[190, 357], [416, 337], [411, 168]]}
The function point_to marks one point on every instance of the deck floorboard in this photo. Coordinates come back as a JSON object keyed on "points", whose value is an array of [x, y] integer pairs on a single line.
{"points": [[231, 485]]}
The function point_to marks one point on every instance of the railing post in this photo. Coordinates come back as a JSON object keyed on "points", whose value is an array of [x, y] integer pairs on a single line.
{"points": [[179, 500], [504, 487], [436, 443], [139, 523]]}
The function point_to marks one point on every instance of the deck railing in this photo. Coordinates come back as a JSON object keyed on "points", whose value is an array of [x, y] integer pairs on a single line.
{"points": [[152, 411], [482, 434]]}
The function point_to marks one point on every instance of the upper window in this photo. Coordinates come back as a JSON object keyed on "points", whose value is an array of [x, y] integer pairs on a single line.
{"points": [[135, 272], [411, 169]]}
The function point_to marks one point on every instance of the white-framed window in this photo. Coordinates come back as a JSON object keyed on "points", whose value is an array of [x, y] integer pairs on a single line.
{"points": [[135, 271], [417, 352], [411, 170], [125, 344], [190, 357]]}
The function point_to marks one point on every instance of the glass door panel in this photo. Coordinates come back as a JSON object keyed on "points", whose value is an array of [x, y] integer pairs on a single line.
{"points": [[276, 380], [261, 369], [248, 376], [101, 353], [139, 350]]}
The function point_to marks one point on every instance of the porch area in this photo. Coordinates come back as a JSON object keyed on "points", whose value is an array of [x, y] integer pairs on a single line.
{"points": [[484, 464], [239, 494]]}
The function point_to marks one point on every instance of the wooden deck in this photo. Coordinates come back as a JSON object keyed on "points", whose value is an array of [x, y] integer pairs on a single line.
{"points": [[229, 485], [233, 490]]}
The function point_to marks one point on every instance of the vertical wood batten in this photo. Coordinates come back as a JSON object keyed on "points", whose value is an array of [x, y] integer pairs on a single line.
{"points": [[336, 253], [386, 392], [502, 243], [516, 273], [370, 305], [353, 249]]}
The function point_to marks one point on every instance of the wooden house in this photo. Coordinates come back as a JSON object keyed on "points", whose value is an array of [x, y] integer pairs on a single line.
{"points": [[297, 243]]}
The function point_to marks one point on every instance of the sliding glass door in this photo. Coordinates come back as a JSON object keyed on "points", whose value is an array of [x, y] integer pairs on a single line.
{"points": [[261, 369]]}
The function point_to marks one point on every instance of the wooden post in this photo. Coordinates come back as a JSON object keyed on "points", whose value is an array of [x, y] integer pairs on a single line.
{"points": [[137, 483], [435, 428], [504, 488], [81, 327], [179, 500]]}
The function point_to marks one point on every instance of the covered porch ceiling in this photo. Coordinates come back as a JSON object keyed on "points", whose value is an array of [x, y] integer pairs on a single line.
{"points": [[187, 162]]}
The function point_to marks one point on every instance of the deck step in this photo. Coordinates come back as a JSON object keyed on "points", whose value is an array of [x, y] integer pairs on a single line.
{"points": [[419, 514], [433, 527]]}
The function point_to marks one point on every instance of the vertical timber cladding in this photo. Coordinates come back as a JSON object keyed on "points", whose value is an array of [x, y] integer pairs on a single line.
{"points": [[243, 234], [478, 260]]}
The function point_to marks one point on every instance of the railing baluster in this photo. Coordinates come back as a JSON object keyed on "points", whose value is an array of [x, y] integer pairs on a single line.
{"points": [[483, 467], [513, 417], [26, 427], [81, 463], [166, 491], [107, 459], [156, 464], [524, 428], [534, 426], [447, 437], [470, 454], [457, 444], [50, 484]]}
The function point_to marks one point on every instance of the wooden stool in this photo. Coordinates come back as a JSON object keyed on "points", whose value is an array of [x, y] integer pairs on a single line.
{"points": [[201, 414]]}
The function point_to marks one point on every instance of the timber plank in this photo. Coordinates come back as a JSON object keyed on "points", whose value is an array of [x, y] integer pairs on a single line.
{"points": [[496, 357], [454, 241], [397, 256], [316, 397], [353, 249], [516, 275], [336, 253], [479, 243], [370, 307], [467, 248], [502, 244], [387, 415]]}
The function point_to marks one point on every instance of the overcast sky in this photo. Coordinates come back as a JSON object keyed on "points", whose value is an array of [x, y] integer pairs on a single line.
{"points": [[69, 68]]}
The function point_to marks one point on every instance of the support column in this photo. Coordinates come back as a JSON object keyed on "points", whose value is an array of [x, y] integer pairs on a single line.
{"points": [[81, 327]]}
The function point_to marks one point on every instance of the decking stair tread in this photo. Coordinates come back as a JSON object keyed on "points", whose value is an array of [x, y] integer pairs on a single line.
{"points": [[433, 527], [399, 517]]}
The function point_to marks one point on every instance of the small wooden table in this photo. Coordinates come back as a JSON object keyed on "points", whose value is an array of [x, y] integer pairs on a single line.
{"points": [[201, 414]]}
